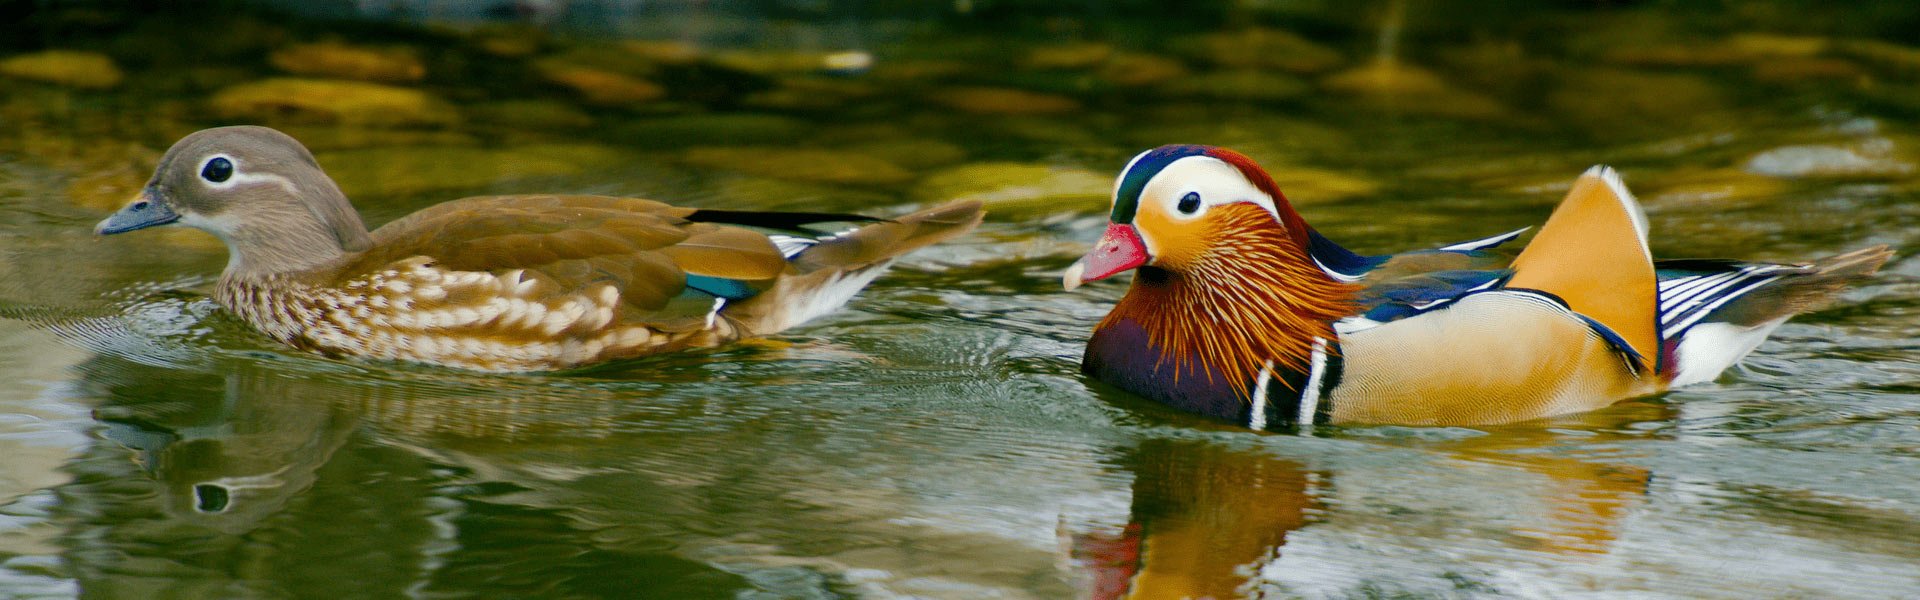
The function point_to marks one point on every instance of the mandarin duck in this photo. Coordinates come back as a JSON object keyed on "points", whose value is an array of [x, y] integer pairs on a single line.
{"points": [[505, 283], [1240, 310]]}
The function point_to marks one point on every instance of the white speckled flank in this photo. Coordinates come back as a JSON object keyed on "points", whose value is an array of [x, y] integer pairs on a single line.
{"points": [[415, 311]]}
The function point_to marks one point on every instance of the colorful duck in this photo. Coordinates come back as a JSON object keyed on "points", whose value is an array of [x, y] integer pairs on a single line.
{"points": [[505, 283], [1239, 310]]}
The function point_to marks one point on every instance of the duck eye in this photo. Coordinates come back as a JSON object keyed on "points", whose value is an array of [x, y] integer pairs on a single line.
{"points": [[1189, 203], [217, 170]]}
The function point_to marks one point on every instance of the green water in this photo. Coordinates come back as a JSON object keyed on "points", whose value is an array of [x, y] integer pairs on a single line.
{"points": [[935, 438]]}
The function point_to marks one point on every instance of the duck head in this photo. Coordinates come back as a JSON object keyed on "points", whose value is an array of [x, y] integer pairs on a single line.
{"points": [[1226, 282], [1184, 209], [256, 189]]}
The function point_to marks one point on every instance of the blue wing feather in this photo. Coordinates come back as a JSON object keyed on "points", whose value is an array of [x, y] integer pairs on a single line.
{"points": [[720, 287], [1409, 296], [1349, 264], [1339, 259]]}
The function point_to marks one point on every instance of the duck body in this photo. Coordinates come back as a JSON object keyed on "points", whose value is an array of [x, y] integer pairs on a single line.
{"points": [[506, 283], [1240, 311]]}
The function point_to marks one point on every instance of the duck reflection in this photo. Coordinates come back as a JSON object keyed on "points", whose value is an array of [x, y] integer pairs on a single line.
{"points": [[267, 475], [1209, 521], [1579, 505], [227, 451], [237, 478], [239, 452], [1203, 519]]}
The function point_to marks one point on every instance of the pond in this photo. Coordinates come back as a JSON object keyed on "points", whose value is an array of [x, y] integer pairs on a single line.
{"points": [[935, 439]]}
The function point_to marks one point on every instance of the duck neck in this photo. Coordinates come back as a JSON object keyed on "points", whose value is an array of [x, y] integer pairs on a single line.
{"points": [[261, 253], [290, 238], [301, 226], [1231, 312]]}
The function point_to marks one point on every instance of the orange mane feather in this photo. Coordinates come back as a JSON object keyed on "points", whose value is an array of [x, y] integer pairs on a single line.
{"points": [[1251, 296]]}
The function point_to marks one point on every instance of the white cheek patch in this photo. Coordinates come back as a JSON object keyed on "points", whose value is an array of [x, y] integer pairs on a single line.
{"points": [[1217, 182], [242, 178], [213, 224]]}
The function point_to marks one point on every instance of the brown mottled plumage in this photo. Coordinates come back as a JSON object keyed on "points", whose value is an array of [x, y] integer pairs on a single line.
{"points": [[502, 283]]}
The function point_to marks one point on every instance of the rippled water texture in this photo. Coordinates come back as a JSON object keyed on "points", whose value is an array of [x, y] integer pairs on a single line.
{"points": [[935, 439]]}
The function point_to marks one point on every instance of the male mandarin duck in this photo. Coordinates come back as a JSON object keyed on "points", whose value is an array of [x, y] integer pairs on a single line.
{"points": [[1239, 310], [504, 283]]}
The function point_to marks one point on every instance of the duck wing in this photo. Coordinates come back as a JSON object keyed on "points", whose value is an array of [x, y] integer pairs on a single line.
{"points": [[664, 265]]}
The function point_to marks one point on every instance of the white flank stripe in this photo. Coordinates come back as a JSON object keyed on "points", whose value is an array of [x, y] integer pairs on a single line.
{"points": [[1258, 421], [1310, 393]]}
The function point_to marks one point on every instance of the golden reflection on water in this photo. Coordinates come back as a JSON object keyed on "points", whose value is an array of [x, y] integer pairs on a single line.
{"points": [[1205, 519], [1202, 519]]}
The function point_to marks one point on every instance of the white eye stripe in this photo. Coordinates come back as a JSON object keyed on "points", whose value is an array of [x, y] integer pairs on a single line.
{"points": [[1217, 182], [241, 177]]}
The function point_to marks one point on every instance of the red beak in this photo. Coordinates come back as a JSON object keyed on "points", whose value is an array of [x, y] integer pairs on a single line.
{"points": [[1119, 249]]}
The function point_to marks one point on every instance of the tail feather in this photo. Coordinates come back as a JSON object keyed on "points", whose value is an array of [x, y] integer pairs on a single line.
{"points": [[834, 268], [1713, 313], [1809, 290], [888, 239]]}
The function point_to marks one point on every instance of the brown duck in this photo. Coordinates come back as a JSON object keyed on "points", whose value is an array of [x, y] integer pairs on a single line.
{"points": [[505, 283]]}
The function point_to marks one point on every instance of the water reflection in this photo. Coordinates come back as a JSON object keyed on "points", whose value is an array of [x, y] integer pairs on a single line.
{"points": [[227, 454], [256, 479], [207, 484], [1208, 520], [1203, 520]]}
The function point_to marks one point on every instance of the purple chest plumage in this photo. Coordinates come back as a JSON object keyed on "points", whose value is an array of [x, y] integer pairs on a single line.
{"points": [[1123, 355]]}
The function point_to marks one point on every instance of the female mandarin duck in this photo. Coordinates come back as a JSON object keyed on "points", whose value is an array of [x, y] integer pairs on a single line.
{"points": [[503, 283], [1239, 310]]}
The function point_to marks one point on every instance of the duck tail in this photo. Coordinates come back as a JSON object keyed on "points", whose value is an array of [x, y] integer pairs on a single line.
{"points": [[1801, 289], [1817, 288], [831, 269], [888, 239], [1713, 313]]}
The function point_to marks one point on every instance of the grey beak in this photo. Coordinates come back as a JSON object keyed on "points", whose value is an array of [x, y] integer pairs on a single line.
{"points": [[145, 211]]}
